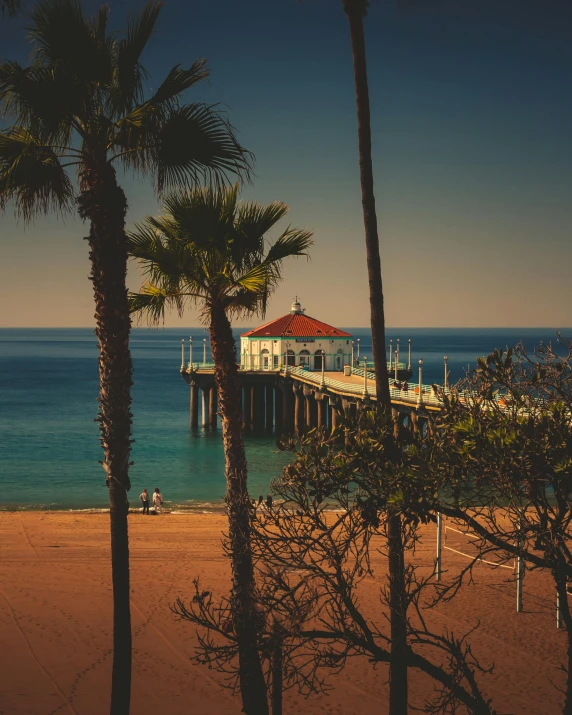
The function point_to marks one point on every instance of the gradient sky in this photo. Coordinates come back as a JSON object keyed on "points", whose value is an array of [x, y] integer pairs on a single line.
{"points": [[471, 121]]}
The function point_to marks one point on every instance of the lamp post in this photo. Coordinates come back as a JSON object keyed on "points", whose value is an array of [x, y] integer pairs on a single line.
{"points": [[397, 353], [358, 348], [323, 368], [396, 359], [365, 393], [353, 361], [446, 383], [420, 397], [191, 353], [183, 354], [204, 351], [409, 356], [390, 354]]}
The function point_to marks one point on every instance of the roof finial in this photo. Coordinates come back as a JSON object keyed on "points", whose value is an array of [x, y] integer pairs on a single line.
{"points": [[296, 307]]}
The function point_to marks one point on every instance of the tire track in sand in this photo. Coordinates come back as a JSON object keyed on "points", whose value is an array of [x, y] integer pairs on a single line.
{"points": [[182, 656], [33, 655]]}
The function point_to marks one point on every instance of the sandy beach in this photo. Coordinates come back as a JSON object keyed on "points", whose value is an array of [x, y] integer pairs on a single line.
{"points": [[55, 623]]}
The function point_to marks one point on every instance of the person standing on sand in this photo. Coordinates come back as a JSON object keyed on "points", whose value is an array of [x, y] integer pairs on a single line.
{"points": [[157, 501], [144, 496]]}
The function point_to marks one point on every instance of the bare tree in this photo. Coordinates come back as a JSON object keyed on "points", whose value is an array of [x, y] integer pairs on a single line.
{"points": [[313, 549]]}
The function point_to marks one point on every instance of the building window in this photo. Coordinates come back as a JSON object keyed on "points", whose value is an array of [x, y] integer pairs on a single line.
{"points": [[290, 358], [305, 357], [275, 361]]}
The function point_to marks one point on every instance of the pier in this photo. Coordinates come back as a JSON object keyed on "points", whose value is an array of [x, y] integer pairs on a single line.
{"points": [[294, 398]]}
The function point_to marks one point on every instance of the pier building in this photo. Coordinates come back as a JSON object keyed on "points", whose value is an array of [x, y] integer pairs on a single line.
{"points": [[297, 372], [295, 339]]}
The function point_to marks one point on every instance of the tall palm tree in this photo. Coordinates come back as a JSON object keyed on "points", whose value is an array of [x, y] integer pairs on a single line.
{"points": [[355, 10], [81, 102], [210, 250]]}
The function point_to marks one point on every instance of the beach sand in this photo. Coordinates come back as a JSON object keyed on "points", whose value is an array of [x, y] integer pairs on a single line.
{"points": [[55, 623]]}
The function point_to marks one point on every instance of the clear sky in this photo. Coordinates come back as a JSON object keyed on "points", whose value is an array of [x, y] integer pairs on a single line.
{"points": [[471, 121]]}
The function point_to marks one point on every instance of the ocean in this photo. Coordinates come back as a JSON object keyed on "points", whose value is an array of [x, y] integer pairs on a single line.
{"points": [[49, 448]]}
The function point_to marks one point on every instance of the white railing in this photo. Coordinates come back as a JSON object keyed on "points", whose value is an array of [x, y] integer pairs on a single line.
{"points": [[411, 395]]}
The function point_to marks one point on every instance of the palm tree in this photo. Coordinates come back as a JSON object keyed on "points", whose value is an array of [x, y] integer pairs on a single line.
{"points": [[355, 10], [81, 102], [210, 250]]}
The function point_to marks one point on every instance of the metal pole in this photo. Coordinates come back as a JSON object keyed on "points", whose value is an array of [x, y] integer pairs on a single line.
{"points": [[183, 354], [519, 579], [396, 359], [438, 560], [446, 383], [204, 351], [390, 355], [190, 353], [397, 353], [323, 368], [353, 361], [277, 676], [409, 356], [420, 397], [364, 376], [358, 348]]}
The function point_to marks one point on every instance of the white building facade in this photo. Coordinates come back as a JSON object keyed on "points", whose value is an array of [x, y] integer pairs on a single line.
{"points": [[295, 339]]}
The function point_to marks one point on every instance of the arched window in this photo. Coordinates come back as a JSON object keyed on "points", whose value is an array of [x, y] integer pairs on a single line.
{"points": [[318, 355], [291, 358], [264, 359], [305, 357]]}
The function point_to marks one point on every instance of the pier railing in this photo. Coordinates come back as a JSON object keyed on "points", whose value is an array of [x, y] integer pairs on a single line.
{"points": [[397, 391]]}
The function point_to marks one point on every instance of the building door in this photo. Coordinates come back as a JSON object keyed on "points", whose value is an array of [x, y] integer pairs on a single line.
{"points": [[265, 355], [339, 360], [318, 360]]}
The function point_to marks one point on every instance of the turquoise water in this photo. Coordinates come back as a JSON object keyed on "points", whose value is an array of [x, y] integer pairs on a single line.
{"points": [[49, 447]]}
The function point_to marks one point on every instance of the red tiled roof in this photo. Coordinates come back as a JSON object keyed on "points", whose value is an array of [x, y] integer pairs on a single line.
{"points": [[296, 325]]}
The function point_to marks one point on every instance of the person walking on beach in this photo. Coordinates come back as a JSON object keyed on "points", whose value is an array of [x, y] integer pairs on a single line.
{"points": [[144, 496], [157, 501]]}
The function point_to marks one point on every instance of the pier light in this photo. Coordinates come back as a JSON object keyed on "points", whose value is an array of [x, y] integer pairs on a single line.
{"points": [[204, 351], [365, 393], [390, 355], [397, 351], [353, 361], [358, 348], [420, 397], [183, 354], [446, 382], [191, 353], [409, 356], [323, 368], [396, 363]]}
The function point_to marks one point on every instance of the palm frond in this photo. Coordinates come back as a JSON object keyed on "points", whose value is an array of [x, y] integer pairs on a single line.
{"points": [[42, 99], [184, 146], [293, 242], [129, 70], [62, 35], [32, 176], [150, 303], [10, 8]]}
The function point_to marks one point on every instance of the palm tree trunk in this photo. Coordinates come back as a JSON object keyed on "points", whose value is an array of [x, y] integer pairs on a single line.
{"points": [[355, 10], [244, 614], [103, 203]]}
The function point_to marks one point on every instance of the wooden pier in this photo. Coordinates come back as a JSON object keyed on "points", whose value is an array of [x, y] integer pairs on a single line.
{"points": [[290, 399]]}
